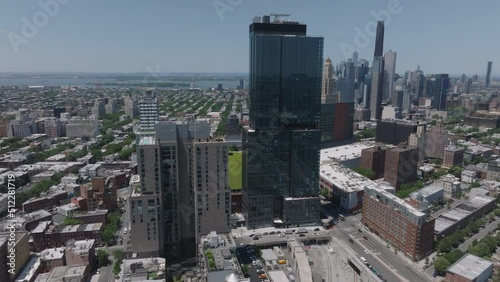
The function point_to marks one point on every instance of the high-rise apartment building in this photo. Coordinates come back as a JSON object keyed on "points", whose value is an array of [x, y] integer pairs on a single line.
{"points": [[437, 141], [212, 196], [328, 83], [390, 69], [401, 165], [374, 159], [131, 107], [53, 127], [112, 107], [398, 223], [99, 109], [165, 219], [282, 143], [419, 140], [377, 77], [148, 110]]}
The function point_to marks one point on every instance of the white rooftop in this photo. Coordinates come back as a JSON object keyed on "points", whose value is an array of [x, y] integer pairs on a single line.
{"points": [[470, 266], [343, 178], [345, 152], [278, 276], [53, 253]]}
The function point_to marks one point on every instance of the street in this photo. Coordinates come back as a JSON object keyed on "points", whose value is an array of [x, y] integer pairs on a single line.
{"points": [[481, 234], [383, 259]]}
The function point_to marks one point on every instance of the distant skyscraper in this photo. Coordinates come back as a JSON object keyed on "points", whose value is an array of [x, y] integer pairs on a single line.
{"points": [[390, 68], [488, 74], [379, 40], [242, 84], [148, 109], [436, 88], [355, 57], [328, 83], [377, 77], [281, 145]]}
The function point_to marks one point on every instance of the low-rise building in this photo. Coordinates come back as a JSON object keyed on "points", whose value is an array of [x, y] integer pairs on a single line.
{"points": [[153, 268], [468, 176], [431, 193], [51, 258], [344, 185], [347, 155], [81, 252], [460, 216], [75, 273], [470, 268]]}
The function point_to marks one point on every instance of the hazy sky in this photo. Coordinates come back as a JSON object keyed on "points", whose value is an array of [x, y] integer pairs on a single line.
{"points": [[449, 36]]}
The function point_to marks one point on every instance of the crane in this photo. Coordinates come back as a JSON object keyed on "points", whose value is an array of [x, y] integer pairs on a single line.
{"points": [[277, 17]]}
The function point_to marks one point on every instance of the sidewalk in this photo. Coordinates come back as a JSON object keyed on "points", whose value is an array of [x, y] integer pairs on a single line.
{"points": [[418, 265]]}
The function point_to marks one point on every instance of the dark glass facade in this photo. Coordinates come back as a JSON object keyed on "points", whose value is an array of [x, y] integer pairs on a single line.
{"points": [[282, 144]]}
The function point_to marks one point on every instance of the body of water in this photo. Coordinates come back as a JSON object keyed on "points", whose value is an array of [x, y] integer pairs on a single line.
{"points": [[84, 82]]}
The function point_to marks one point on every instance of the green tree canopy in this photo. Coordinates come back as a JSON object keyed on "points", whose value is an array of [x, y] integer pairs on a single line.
{"points": [[441, 264]]}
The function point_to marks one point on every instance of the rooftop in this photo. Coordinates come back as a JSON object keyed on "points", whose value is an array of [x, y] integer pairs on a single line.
{"points": [[148, 140], [470, 266], [451, 217], [53, 253], [345, 152], [395, 200], [427, 191], [343, 178]]}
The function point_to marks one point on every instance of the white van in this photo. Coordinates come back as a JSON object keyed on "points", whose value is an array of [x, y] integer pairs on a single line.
{"points": [[363, 260]]}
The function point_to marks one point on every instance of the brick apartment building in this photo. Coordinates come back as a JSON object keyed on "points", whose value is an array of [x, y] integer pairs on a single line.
{"points": [[100, 194], [437, 140], [47, 235], [401, 165], [45, 202], [374, 159], [395, 221], [453, 155]]}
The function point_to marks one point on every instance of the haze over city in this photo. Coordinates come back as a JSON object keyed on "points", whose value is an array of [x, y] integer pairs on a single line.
{"points": [[209, 36]]}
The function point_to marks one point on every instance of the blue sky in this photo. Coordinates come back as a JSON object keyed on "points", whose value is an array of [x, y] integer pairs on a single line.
{"points": [[449, 36]]}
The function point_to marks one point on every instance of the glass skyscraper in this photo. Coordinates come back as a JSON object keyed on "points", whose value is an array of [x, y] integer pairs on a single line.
{"points": [[282, 142]]}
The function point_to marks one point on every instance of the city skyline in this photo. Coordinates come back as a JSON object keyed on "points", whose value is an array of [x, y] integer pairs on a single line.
{"points": [[175, 36]]}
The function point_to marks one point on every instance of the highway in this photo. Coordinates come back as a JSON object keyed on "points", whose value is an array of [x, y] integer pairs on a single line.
{"points": [[388, 264]]}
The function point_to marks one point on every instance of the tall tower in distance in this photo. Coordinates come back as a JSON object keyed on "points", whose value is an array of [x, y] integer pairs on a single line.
{"points": [[377, 84], [488, 74], [281, 145], [355, 57], [390, 69], [328, 83]]}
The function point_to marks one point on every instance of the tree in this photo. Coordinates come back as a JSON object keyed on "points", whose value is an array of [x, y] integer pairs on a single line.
{"points": [[441, 264], [445, 245], [244, 269], [325, 193], [481, 249], [475, 184], [454, 256], [474, 228], [102, 258], [70, 220], [366, 173], [118, 254]]}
